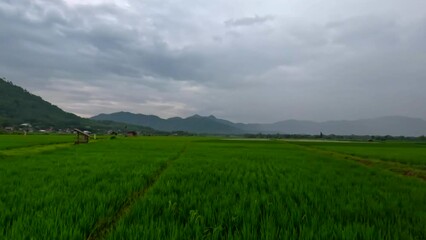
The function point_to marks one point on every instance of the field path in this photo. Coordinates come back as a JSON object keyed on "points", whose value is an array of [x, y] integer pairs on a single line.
{"points": [[105, 225], [395, 167]]}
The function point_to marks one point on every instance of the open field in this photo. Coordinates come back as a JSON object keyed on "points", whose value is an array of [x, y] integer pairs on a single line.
{"points": [[19, 141], [402, 152], [208, 188]]}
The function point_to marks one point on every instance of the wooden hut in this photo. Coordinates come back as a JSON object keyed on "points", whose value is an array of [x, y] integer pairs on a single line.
{"points": [[82, 137], [132, 134]]}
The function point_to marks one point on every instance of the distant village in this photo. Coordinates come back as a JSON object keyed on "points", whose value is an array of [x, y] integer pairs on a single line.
{"points": [[26, 128]]}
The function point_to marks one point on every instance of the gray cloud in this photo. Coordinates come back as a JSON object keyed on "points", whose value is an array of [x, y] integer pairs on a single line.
{"points": [[247, 21], [170, 58]]}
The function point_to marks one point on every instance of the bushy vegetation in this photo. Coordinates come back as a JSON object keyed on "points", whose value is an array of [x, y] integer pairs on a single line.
{"points": [[206, 188]]}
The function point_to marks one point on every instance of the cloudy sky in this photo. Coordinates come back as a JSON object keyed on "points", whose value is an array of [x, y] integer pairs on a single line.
{"points": [[243, 60]]}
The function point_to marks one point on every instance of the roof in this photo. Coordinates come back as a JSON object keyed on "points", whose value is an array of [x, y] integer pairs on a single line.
{"points": [[81, 132]]}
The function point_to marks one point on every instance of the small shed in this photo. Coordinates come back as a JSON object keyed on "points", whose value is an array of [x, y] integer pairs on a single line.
{"points": [[132, 134], [82, 137], [9, 129]]}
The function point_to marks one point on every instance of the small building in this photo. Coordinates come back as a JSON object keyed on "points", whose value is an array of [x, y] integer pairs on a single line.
{"points": [[27, 125], [132, 134], [82, 137], [9, 129]]}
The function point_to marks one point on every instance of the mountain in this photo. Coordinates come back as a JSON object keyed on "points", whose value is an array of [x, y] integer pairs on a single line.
{"points": [[18, 106], [392, 125], [194, 124]]}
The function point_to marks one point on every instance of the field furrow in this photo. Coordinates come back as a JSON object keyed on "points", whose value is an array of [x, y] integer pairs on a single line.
{"points": [[105, 225], [62, 194], [274, 191]]}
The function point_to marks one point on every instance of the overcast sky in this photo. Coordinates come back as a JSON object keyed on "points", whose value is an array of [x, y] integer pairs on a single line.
{"points": [[243, 60]]}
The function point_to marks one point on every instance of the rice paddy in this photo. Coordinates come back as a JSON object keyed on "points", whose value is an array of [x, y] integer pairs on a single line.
{"points": [[210, 188]]}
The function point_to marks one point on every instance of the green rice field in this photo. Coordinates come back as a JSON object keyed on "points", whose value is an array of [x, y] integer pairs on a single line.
{"points": [[19, 141], [210, 188]]}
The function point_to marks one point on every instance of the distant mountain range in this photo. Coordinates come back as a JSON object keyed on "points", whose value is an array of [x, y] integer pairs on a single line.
{"points": [[194, 124], [392, 125], [18, 106]]}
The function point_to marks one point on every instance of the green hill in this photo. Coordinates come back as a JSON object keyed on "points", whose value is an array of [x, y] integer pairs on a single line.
{"points": [[18, 106]]}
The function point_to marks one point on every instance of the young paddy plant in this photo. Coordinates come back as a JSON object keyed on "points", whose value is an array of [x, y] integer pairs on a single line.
{"points": [[64, 194], [410, 153], [274, 190], [200, 188], [21, 141]]}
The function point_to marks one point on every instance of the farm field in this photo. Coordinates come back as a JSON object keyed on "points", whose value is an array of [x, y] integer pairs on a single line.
{"points": [[19, 141], [403, 152], [210, 188]]}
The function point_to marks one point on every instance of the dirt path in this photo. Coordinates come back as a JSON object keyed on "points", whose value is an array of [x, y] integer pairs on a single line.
{"points": [[106, 225]]}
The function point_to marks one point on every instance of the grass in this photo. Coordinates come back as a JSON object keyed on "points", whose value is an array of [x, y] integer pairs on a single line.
{"points": [[206, 188]]}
